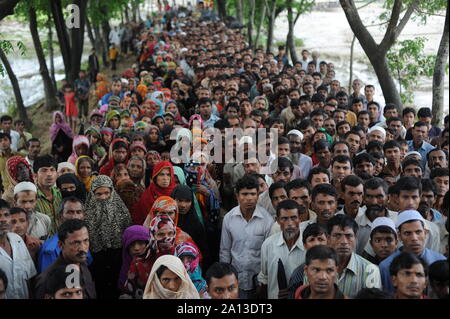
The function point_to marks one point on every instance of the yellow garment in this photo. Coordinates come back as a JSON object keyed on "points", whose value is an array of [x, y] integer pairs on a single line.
{"points": [[87, 181], [351, 118], [113, 53]]}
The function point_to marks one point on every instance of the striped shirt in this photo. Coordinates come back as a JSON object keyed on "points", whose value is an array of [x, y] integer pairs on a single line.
{"points": [[50, 208]]}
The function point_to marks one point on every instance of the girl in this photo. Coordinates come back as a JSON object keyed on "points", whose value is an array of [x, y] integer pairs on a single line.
{"points": [[70, 106]]}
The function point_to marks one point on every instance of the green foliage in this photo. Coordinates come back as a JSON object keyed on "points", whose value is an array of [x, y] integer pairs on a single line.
{"points": [[408, 63], [8, 47], [298, 42], [420, 15]]}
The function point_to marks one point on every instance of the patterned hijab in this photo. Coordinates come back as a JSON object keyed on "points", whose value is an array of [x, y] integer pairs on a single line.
{"points": [[11, 169], [195, 273], [155, 225]]}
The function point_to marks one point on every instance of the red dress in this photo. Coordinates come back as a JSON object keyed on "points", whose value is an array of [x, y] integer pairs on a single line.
{"points": [[71, 106]]}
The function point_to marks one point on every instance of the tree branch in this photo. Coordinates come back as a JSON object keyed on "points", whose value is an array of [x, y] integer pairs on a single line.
{"points": [[389, 36], [7, 7]]}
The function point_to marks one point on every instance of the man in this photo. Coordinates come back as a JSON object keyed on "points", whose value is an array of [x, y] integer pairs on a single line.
{"points": [[353, 191], [324, 204], [222, 281], [6, 152], [383, 240], [319, 175], [15, 260], [363, 120], [20, 222], [6, 123], [321, 268], [74, 243], [438, 274], [33, 149], [409, 276], [437, 158], [424, 114], [412, 233], [354, 272], [282, 55], [340, 148], [440, 177], [369, 93], [418, 143], [24, 136], [281, 252], [25, 197], [427, 201], [377, 133], [393, 163], [412, 167], [94, 66], [204, 106], [375, 201], [70, 208], [56, 287], [395, 124], [323, 154], [364, 162], [353, 139], [342, 128], [244, 230], [341, 167], [284, 151], [49, 196], [374, 112]]}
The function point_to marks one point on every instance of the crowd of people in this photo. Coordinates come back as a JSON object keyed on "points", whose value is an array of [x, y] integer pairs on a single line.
{"points": [[355, 204]]}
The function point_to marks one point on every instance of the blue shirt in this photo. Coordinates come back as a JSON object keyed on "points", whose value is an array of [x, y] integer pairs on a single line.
{"points": [[106, 97], [211, 121], [429, 256], [423, 150], [50, 251]]}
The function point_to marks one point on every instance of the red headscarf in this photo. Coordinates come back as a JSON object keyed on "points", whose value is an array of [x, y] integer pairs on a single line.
{"points": [[108, 167], [153, 191]]}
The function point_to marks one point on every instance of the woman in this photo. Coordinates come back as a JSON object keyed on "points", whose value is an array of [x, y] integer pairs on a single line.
{"points": [[130, 194], [65, 168], [158, 287], [107, 135], [113, 120], [151, 159], [61, 136], [159, 122], [161, 242], [80, 147], [70, 185], [17, 170], [107, 217], [189, 256], [161, 184], [154, 142], [97, 151], [84, 171], [171, 106], [134, 241]]}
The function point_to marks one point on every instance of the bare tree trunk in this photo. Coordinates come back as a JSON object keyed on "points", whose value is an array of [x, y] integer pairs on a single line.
{"points": [[90, 33], [77, 41], [239, 13], [350, 78], [99, 44], [439, 75], [250, 22], [272, 11], [290, 36], [15, 84], [261, 22], [222, 9], [51, 51], [51, 103], [127, 16]]}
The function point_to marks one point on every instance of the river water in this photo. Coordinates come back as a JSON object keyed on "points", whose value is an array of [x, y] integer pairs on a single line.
{"points": [[324, 30]]}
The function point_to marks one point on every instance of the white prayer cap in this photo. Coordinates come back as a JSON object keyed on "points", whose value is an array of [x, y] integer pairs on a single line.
{"points": [[25, 186], [296, 132], [413, 153], [408, 215], [383, 221], [184, 50], [378, 128], [66, 165]]}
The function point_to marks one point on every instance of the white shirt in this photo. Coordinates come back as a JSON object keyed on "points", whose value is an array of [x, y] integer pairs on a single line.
{"points": [[273, 249], [265, 202], [241, 242], [19, 269], [15, 137]]}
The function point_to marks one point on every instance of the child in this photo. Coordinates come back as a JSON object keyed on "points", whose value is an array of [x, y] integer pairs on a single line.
{"points": [[70, 106], [113, 55]]}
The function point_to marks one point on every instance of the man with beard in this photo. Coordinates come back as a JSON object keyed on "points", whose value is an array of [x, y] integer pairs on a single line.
{"points": [[437, 158], [330, 126], [375, 200], [383, 240], [427, 200], [74, 243], [323, 154], [324, 204], [301, 160], [34, 148], [281, 253], [353, 191], [355, 272]]}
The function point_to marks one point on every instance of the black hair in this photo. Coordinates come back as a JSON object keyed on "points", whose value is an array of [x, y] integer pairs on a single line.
{"points": [[424, 112], [363, 157], [393, 119], [438, 149], [420, 124], [319, 112], [5, 135], [285, 162], [160, 271], [372, 145], [391, 144], [339, 124], [326, 189], [18, 210], [287, 204], [352, 131], [342, 159], [57, 278], [428, 185], [351, 180], [321, 252], [342, 221], [439, 172], [377, 155], [4, 204], [70, 226], [275, 186], [406, 260], [219, 270], [71, 199], [408, 183], [4, 278], [439, 271], [298, 183], [389, 106], [5, 118], [373, 293], [407, 110], [44, 161], [314, 230], [375, 103], [321, 145], [411, 161], [318, 170], [318, 97], [375, 183], [333, 146], [383, 229], [304, 124], [246, 182]]}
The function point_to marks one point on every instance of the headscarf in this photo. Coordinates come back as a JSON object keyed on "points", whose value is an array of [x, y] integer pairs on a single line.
{"points": [[110, 115], [142, 90], [11, 169], [95, 132], [130, 235], [196, 117], [179, 119], [87, 181], [154, 191], [79, 192], [130, 194], [193, 268], [107, 169], [155, 225], [106, 130], [106, 219], [140, 125], [154, 288], [56, 127], [77, 141]]}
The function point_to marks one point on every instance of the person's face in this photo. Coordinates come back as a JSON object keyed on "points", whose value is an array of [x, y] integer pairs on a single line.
{"points": [[289, 222], [6, 126], [170, 281], [117, 87], [369, 92], [162, 234], [311, 68], [73, 210], [342, 240], [303, 199], [408, 119], [114, 122], [321, 275], [375, 197], [69, 293], [318, 121], [353, 140], [20, 127], [308, 132], [107, 138], [226, 287], [320, 178], [338, 116], [5, 221], [410, 283], [390, 113], [357, 107], [22, 173], [76, 246], [159, 122], [313, 241], [324, 157], [335, 85], [437, 159], [184, 206], [163, 179], [137, 248], [262, 185], [379, 166], [81, 149], [412, 170], [373, 111], [341, 170], [396, 127], [409, 200], [440, 288], [26, 200], [19, 224], [392, 155], [85, 169], [383, 244], [353, 196], [102, 193], [138, 152], [376, 136], [119, 155], [342, 101], [135, 168], [341, 149], [294, 143], [278, 196], [252, 166], [34, 149], [325, 207], [420, 133], [283, 150], [365, 167], [442, 184], [279, 127], [5, 144], [282, 174], [247, 198], [364, 120], [205, 109]]}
